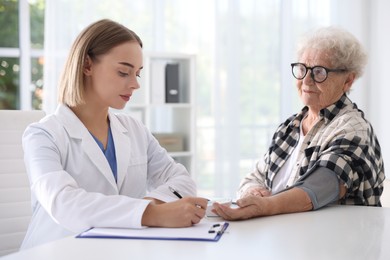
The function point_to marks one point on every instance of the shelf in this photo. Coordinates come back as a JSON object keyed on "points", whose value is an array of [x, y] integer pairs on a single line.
{"points": [[149, 103]]}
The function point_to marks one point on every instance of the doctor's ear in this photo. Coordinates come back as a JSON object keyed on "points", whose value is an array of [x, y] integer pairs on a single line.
{"points": [[87, 66]]}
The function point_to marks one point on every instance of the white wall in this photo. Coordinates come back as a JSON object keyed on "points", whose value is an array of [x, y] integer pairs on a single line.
{"points": [[358, 23], [379, 99], [369, 22]]}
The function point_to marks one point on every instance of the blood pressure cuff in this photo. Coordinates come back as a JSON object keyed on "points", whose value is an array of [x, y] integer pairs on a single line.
{"points": [[322, 186]]}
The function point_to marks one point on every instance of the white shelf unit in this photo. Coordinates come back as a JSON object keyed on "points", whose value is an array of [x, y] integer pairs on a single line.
{"points": [[168, 118]]}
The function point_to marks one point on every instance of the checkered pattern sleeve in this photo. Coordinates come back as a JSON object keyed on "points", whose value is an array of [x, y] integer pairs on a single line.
{"points": [[342, 141], [355, 160], [346, 144]]}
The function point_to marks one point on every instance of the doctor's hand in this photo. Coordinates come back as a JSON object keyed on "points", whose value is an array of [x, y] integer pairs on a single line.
{"points": [[181, 213]]}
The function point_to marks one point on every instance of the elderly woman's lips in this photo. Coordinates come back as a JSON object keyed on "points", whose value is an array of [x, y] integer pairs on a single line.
{"points": [[308, 91]]}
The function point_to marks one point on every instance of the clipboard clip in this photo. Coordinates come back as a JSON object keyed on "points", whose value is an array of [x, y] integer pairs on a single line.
{"points": [[217, 228]]}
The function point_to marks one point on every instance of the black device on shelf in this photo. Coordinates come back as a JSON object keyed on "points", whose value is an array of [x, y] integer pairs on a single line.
{"points": [[172, 89]]}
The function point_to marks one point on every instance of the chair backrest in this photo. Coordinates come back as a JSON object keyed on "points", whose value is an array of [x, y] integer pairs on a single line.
{"points": [[15, 205]]}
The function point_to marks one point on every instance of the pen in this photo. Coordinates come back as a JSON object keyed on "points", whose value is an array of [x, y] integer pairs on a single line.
{"points": [[175, 192]]}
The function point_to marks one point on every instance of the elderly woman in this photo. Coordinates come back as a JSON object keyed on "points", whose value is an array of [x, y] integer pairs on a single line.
{"points": [[327, 153]]}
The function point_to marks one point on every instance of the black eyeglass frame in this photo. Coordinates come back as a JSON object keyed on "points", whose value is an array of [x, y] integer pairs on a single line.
{"points": [[311, 71]]}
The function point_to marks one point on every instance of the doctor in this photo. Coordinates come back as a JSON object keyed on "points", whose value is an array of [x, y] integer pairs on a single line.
{"points": [[89, 167]]}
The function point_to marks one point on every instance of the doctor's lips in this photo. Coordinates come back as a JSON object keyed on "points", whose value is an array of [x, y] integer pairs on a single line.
{"points": [[125, 97]]}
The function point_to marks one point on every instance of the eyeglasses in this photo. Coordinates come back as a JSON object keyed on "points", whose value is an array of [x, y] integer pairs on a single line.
{"points": [[318, 73]]}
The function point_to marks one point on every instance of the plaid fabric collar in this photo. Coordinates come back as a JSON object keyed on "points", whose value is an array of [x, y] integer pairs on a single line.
{"points": [[327, 113]]}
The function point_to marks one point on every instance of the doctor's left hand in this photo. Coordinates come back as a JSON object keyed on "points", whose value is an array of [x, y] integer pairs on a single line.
{"points": [[181, 213]]}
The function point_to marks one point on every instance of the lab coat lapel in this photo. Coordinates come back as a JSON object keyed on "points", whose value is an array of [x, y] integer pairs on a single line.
{"points": [[122, 148], [96, 155], [77, 130]]}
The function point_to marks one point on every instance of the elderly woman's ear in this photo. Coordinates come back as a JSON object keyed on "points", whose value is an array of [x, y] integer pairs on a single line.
{"points": [[349, 81]]}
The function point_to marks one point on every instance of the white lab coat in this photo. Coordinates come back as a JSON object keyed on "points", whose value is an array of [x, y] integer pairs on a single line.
{"points": [[72, 184]]}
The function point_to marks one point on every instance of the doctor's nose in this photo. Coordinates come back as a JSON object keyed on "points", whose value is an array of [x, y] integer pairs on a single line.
{"points": [[134, 84]]}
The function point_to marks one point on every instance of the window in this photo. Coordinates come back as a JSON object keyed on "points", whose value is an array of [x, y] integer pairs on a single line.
{"points": [[243, 51], [21, 54]]}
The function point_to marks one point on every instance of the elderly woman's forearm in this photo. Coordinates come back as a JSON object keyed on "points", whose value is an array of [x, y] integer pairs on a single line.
{"points": [[290, 201]]}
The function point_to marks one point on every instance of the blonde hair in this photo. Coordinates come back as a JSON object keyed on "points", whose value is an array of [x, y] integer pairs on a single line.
{"points": [[97, 39]]}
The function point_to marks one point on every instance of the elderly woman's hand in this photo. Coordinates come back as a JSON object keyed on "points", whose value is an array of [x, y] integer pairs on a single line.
{"points": [[293, 200], [249, 207], [256, 191]]}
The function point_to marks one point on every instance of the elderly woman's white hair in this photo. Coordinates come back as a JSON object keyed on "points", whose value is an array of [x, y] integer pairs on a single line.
{"points": [[344, 50]]}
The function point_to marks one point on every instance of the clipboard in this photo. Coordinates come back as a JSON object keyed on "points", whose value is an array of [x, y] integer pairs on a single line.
{"points": [[203, 231]]}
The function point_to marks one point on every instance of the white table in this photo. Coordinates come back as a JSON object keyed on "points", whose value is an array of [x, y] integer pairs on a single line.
{"points": [[337, 232]]}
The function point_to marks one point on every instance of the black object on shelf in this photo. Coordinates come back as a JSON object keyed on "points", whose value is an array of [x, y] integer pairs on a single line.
{"points": [[172, 83]]}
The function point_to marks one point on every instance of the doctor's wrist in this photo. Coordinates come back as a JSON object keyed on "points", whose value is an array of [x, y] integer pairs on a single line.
{"points": [[150, 217], [154, 201]]}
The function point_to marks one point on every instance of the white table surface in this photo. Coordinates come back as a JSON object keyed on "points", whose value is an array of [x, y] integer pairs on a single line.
{"points": [[337, 232]]}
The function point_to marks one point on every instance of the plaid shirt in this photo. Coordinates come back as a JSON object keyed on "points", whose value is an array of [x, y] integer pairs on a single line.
{"points": [[341, 140]]}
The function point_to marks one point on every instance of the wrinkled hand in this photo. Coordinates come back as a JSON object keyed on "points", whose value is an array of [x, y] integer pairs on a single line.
{"points": [[256, 191], [249, 207], [180, 213]]}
